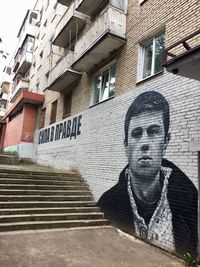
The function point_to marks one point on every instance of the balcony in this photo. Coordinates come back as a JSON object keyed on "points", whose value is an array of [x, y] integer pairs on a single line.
{"points": [[5, 87], [24, 97], [93, 8], [90, 7], [106, 35], [183, 57], [25, 63], [23, 57], [17, 60], [64, 2], [2, 111], [29, 30], [22, 85], [61, 76], [69, 27]]}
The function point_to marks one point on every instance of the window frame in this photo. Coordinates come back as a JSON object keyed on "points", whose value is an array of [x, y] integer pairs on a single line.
{"points": [[47, 79], [143, 47], [67, 98], [53, 113], [141, 1], [37, 87], [102, 71], [42, 118]]}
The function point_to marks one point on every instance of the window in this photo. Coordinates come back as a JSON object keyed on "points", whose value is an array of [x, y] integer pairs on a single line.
{"points": [[53, 111], [67, 104], [152, 56], [122, 5], [46, 4], [42, 117], [46, 79], [37, 87], [13, 116], [41, 55], [49, 47], [104, 84]]}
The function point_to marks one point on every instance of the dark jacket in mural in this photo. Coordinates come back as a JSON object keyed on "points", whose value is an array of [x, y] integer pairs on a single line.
{"points": [[182, 196]]}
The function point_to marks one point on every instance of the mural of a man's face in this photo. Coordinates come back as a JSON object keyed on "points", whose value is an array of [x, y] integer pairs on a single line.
{"points": [[146, 144]]}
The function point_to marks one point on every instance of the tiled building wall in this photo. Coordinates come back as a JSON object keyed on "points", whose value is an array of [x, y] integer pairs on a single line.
{"points": [[98, 152], [12, 137], [29, 122], [143, 21]]}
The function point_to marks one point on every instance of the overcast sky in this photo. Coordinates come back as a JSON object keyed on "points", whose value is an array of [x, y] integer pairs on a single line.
{"points": [[12, 13]]}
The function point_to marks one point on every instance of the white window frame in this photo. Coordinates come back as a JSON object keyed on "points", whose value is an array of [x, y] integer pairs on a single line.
{"points": [[142, 57], [107, 67]]}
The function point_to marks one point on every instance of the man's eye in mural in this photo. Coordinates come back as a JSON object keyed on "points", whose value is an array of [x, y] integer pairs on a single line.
{"points": [[137, 133], [153, 130]]}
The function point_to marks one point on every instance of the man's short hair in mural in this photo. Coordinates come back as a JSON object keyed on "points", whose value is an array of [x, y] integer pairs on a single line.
{"points": [[153, 198]]}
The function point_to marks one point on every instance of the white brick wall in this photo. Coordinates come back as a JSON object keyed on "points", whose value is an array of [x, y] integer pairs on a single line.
{"points": [[98, 153]]}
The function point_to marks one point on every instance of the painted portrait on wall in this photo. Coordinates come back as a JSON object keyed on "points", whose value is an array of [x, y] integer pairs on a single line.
{"points": [[153, 198]]}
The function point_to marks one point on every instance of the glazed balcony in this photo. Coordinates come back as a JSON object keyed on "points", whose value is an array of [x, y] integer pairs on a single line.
{"points": [[5, 87], [25, 63], [61, 76], [23, 57], [64, 2], [28, 30], [183, 57], [17, 88], [106, 35], [69, 27], [2, 111], [17, 59]]}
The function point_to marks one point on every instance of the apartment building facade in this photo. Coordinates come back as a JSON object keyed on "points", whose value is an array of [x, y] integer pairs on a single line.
{"points": [[77, 69]]}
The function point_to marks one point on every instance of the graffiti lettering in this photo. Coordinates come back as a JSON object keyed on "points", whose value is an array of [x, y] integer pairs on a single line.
{"points": [[67, 129]]}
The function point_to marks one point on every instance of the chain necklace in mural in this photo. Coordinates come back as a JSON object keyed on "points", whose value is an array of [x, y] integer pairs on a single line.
{"points": [[141, 227]]}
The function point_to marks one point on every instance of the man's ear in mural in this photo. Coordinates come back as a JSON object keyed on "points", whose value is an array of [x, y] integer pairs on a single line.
{"points": [[125, 148], [167, 139]]}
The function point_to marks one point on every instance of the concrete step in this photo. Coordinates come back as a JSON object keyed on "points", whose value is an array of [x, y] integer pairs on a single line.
{"points": [[52, 224], [6, 192], [80, 186], [51, 217], [45, 204], [37, 182], [40, 177], [15, 211], [20, 171], [44, 198], [9, 159]]}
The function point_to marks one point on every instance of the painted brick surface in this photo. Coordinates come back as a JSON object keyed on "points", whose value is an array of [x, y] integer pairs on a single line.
{"points": [[101, 141], [98, 152], [29, 123], [12, 136]]}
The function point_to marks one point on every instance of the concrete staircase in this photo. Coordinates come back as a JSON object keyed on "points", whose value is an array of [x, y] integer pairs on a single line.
{"points": [[43, 200]]}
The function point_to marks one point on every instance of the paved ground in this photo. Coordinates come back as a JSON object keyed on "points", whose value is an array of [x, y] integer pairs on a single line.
{"points": [[98, 247]]}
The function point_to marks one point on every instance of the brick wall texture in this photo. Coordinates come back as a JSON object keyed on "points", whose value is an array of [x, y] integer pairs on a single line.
{"points": [[98, 152]]}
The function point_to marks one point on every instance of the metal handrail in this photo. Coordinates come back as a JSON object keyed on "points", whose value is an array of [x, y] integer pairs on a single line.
{"points": [[182, 42]]}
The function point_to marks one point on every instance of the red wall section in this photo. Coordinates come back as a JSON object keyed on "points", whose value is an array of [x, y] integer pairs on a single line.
{"points": [[22, 127], [13, 131], [29, 123]]}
